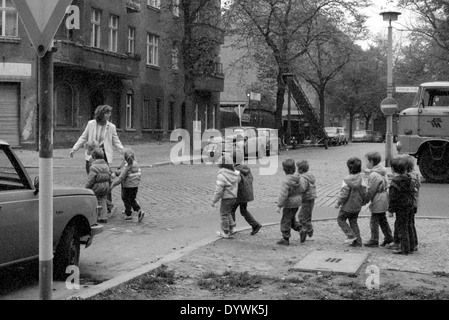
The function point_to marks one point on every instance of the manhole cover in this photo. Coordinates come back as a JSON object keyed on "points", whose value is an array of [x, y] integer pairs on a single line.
{"points": [[339, 262]]}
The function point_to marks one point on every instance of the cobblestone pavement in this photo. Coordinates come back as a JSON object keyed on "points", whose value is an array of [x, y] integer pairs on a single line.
{"points": [[183, 190], [177, 199]]}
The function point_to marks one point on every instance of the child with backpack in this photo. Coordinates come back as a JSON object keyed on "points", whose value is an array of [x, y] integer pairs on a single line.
{"points": [[350, 202], [226, 190], [377, 196], [130, 176], [401, 193], [98, 180], [245, 194], [308, 196], [290, 201]]}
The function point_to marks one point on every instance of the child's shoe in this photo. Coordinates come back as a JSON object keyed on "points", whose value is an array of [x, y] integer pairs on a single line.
{"points": [[256, 229], [140, 215], [310, 233], [223, 235], [128, 218], [372, 244], [350, 240], [283, 242], [302, 235]]}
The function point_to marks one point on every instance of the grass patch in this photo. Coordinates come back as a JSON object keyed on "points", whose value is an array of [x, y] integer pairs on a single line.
{"points": [[229, 280]]}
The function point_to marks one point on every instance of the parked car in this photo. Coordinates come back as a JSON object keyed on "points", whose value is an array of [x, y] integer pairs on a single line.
{"points": [[228, 142], [362, 136], [344, 135], [378, 136], [74, 217], [333, 134]]}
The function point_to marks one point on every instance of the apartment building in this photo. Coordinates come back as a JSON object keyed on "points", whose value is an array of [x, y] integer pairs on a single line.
{"points": [[124, 53]]}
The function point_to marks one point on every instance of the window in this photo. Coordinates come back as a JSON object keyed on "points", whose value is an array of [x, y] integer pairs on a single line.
{"points": [[129, 110], [175, 58], [64, 106], [152, 50], [152, 114], [131, 39], [176, 8], [8, 19], [146, 115], [95, 30], [171, 116], [154, 3], [113, 33], [158, 114]]}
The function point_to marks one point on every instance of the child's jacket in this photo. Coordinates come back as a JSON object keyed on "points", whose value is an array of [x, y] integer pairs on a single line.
{"points": [[352, 193], [130, 175], [416, 185], [99, 178], [308, 188], [290, 195], [377, 191], [227, 184], [401, 194], [245, 191]]}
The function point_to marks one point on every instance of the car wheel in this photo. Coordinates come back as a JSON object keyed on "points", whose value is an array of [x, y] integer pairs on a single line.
{"points": [[67, 251]]}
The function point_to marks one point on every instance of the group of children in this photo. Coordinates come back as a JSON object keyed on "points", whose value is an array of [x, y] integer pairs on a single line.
{"points": [[400, 198], [102, 179], [298, 190]]}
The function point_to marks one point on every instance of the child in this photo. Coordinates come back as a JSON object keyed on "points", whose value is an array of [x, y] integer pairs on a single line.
{"points": [[98, 180], [226, 189], [401, 202], [351, 199], [378, 196], [290, 201], [416, 185], [245, 194], [308, 196], [130, 176], [90, 146]]}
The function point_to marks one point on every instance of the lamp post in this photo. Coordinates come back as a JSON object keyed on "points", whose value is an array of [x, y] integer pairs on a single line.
{"points": [[389, 105]]}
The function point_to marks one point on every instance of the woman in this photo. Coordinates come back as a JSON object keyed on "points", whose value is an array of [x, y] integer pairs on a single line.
{"points": [[104, 133]]}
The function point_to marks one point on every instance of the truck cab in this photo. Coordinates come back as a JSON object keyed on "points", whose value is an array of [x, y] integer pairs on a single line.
{"points": [[423, 131]]}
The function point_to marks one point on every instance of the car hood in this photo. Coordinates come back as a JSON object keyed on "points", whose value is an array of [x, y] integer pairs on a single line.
{"points": [[69, 191]]}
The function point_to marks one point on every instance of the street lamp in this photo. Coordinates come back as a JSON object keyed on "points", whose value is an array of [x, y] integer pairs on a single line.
{"points": [[389, 105]]}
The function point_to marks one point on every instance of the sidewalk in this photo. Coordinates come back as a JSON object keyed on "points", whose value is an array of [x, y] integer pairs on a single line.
{"points": [[260, 254]]}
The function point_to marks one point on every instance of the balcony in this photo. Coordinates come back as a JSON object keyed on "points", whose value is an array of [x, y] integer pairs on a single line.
{"points": [[132, 6], [211, 82], [82, 57]]}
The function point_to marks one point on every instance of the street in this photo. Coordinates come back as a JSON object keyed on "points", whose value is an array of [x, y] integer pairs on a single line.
{"points": [[177, 199]]}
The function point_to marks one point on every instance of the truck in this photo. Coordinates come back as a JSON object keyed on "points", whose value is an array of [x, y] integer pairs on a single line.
{"points": [[423, 131]]}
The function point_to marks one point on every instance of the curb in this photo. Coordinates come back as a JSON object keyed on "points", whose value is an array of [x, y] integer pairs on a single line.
{"points": [[109, 284]]}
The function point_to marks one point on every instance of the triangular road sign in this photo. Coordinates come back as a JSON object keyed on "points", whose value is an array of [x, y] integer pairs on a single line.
{"points": [[41, 19]]}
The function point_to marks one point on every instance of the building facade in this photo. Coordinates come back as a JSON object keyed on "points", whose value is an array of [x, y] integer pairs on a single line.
{"points": [[124, 53]]}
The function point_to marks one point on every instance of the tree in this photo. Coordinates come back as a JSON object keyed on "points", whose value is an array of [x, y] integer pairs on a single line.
{"points": [[323, 61], [358, 89], [287, 28]]}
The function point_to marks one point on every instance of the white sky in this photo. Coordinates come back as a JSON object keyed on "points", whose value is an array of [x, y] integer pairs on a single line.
{"points": [[376, 24]]}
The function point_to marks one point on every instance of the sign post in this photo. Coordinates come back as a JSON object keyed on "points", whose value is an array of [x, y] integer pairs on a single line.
{"points": [[389, 106], [41, 20]]}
